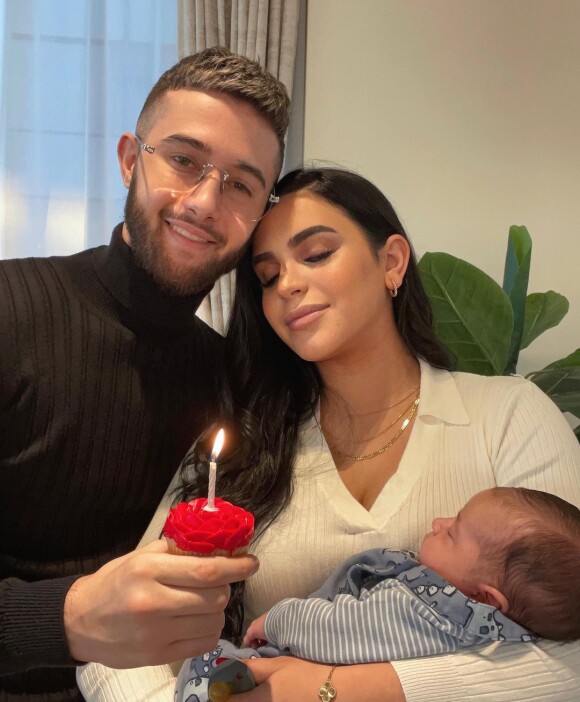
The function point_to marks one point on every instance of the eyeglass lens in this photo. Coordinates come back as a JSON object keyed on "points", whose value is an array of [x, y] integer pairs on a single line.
{"points": [[179, 168]]}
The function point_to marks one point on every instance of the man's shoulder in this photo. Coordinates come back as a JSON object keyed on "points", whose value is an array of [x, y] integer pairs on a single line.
{"points": [[29, 285], [31, 263], [18, 276]]}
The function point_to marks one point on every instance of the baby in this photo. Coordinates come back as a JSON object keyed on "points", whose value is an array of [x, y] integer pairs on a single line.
{"points": [[510, 552]]}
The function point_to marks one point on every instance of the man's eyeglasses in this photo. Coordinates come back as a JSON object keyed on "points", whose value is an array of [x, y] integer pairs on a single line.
{"points": [[178, 168]]}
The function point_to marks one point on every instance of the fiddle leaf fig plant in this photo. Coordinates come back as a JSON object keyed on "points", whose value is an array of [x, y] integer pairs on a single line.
{"points": [[515, 285], [543, 311], [486, 325], [561, 381], [473, 316]]}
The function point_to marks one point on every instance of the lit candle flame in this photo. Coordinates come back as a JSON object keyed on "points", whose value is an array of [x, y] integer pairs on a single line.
{"points": [[217, 445], [215, 452]]}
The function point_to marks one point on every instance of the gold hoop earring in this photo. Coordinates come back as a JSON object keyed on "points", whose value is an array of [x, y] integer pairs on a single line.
{"points": [[394, 290]]}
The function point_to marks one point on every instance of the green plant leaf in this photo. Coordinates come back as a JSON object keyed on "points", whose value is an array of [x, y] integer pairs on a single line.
{"points": [[515, 285], [560, 380], [543, 311], [569, 361], [473, 316]]}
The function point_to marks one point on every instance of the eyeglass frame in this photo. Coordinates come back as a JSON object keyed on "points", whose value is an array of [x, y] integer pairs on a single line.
{"points": [[273, 199]]}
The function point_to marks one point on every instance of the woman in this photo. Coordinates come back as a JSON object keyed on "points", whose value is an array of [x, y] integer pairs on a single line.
{"points": [[356, 435]]}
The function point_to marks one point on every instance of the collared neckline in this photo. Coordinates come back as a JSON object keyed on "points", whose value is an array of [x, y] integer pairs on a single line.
{"points": [[440, 398]]}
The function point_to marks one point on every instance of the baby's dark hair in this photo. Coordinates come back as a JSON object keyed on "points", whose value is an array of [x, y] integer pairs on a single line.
{"points": [[539, 567]]}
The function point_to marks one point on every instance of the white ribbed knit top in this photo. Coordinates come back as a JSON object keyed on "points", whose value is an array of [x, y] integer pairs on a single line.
{"points": [[471, 433]]}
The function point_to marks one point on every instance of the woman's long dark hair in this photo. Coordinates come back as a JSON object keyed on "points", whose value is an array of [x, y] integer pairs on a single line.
{"points": [[273, 391]]}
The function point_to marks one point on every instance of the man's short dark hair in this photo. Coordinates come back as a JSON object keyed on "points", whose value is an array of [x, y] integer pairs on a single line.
{"points": [[221, 70]]}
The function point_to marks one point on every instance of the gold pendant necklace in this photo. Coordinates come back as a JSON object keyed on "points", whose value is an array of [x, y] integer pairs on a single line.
{"points": [[387, 446]]}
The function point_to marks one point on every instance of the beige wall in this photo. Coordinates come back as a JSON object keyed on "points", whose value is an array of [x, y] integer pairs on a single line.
{"points": [[467, 114]]}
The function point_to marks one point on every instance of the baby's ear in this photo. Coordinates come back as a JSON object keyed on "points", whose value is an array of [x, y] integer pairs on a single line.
{"points": [[492, 596]]}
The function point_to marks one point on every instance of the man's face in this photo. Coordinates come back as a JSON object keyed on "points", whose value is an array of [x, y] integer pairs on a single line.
{"points": [[186, 239]]}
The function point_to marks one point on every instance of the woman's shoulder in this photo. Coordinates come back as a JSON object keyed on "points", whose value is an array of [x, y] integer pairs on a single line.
{"points": [[493, 383], [489, 384], [503, 395]]}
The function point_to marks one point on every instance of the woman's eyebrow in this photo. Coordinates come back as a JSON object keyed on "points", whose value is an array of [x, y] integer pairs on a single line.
{"points": [[294, 241]]}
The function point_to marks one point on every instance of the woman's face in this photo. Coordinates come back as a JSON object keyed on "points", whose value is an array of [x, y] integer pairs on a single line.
{"points": [[324, 289]]}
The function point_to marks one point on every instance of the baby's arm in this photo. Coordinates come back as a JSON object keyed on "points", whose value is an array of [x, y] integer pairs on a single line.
{"points": [[387, 623], [256, 636]]}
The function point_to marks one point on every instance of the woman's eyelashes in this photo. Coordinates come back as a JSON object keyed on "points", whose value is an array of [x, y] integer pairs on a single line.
{"points": [[267, 281], [318, 257]]}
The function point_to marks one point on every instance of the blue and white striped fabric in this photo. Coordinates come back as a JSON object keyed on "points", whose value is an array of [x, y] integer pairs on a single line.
{"points": [[379, 606], [382, 606]]}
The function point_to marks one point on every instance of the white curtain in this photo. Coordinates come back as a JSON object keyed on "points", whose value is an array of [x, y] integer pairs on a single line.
{"points": [[264, 30], [73, 77]]}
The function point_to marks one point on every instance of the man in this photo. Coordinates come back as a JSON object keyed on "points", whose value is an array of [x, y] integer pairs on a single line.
{"points": [[106, 377]]}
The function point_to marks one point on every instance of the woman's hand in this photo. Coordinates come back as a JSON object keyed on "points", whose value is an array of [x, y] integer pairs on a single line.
{"points": [[286, 679]]}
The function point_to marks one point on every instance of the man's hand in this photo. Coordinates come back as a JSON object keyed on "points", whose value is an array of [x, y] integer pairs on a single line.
{"points": [[150, 607]]}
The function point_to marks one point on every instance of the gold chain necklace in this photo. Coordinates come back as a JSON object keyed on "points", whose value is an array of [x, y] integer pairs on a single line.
{"points": [[388, 407], [387, 446], [382, 431]]}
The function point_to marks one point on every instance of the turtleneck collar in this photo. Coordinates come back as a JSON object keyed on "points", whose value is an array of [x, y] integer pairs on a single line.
{"points": [[138, 293]]}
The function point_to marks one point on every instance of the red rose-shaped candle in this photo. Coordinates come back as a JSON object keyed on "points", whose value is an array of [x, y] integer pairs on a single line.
{"points": [[211, 527], [191, 530]]}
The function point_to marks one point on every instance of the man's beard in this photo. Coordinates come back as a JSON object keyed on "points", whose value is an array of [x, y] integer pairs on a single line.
{"points": [[147, 246]]}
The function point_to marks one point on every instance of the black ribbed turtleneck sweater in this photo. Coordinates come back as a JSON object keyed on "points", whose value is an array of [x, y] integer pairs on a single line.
{"points": [[104, 383]]}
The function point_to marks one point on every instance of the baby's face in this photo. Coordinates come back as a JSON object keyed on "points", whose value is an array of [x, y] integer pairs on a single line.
{"points": [[453, 548]]}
